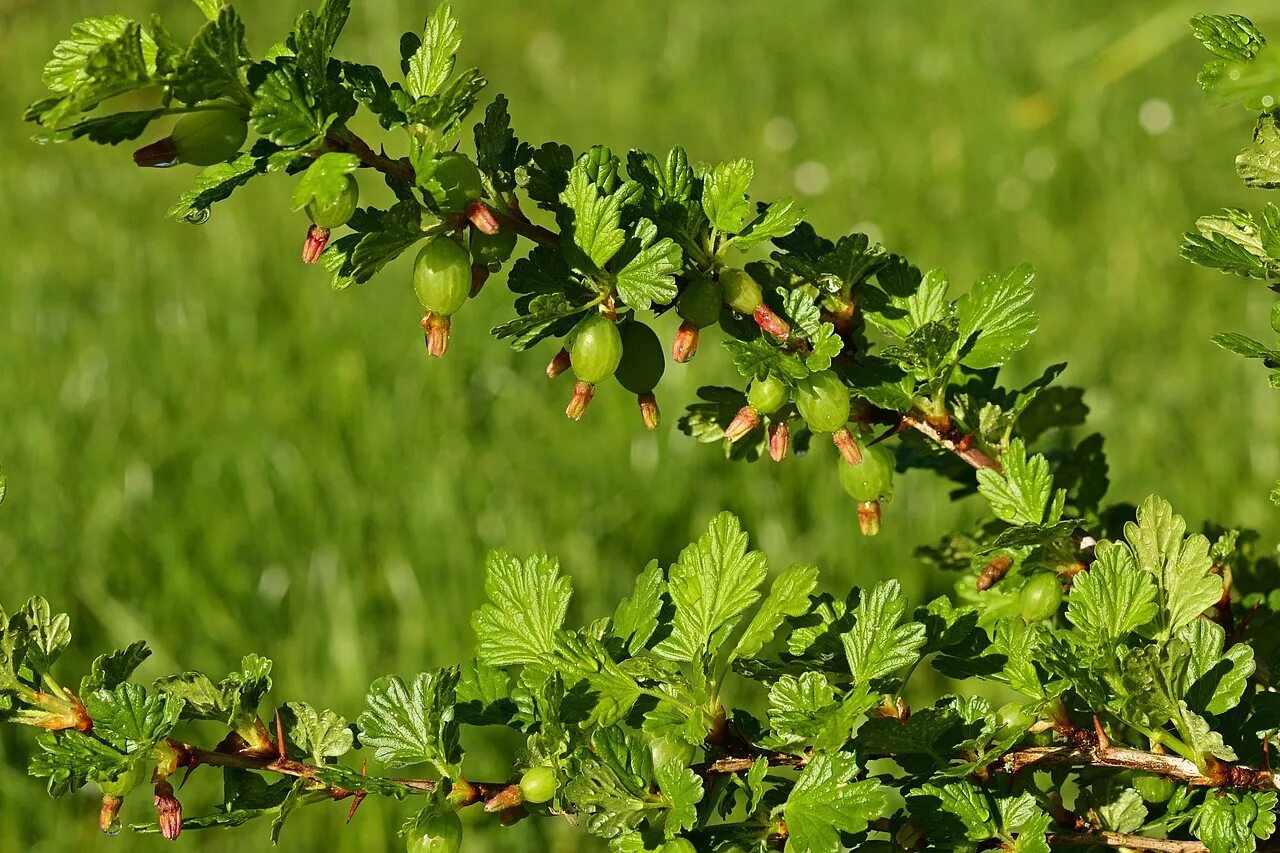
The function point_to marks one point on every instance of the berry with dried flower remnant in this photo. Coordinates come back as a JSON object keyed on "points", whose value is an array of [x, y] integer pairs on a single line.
{"points": [[594, 355], [698, 306], [743, 294], [325, 217], [213, 134], [641, 368], [442, 282], [168, 811], [869, 481], [768, 394]]}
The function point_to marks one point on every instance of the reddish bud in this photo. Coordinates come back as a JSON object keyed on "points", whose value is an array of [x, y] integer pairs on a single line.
{"points": [[994, 571], [509, 797], [779, 441], [513, 815], [744, 422], [159, 155], [168, 811], [109, 814], [869, 517], [847, 446], [771, 322], [317, 239], [437, 334], [481, 217], [558, 364], [582, 394], [479, 275], [686, 343], [649, 410]]}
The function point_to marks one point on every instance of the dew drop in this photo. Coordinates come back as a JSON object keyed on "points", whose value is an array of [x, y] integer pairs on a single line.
{"points": [[113, 828]]}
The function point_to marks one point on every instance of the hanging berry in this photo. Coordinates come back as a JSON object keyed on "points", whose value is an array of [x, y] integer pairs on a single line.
{"points": [[642, 365], [594, 355], [442, 281], [698, 306], [743, 294]]}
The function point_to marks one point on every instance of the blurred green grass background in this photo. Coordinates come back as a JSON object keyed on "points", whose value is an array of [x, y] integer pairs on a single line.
{"points": [[209, 449]]}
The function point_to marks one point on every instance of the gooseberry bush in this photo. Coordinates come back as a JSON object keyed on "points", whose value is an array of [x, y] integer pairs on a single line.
{"points": [[1139, 652]]}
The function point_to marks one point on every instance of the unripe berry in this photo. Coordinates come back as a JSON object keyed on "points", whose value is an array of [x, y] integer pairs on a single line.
{"points": [[767, 395], [460, 179], [340, 208], [594, 356], [435, 832], [1040, 597], [872, 478], [492, 250], [538, 784], [643, 361], [1153, 789], [200, 138], [597, 349], [823, 402]]}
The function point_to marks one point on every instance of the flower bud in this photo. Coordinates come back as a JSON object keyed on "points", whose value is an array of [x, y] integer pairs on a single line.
{"points": [[481, 217], [869, 517], [771, 322], [317, 239], [744, 422], [686, 343], [168, 811], [779, 441], [582, 394], [847, 446], [509, 797], [649, 410], [558, 364]]}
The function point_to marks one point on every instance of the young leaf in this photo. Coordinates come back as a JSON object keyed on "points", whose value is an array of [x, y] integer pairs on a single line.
{"points": [[682, 790], [1113, 598], [323, 734], [215, 184], [724, 195], [325, 180], [798, 706], [111, 670], [595, 217], [1179, 564], [212, 67], [283, 111], [995, 321], [711, 585], [775, 220], [1020, 494], [789, 596], [825, 802], [878, 644], [648, 275], [129, 719], [528, 600], [69, 759], [1231, 37], [1232, 822], [432, 62], [636, 617], [414, 724], [46, 634]]}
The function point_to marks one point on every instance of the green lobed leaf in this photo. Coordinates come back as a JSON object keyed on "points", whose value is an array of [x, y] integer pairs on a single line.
{"points": [[67, 760], [1232, 37], [648, 276], [724, 195], [45, 634], [1179, 564], [1259, 164], [1019, 494], [825, 802], [214, 63], [789, 596], [995, 321], [323, 734], [636, 617], [1231, 822], [712, 584], [130, 719], [414, 723], [773, 221], [682, 791], [528, 600], [432, 62], [879, 644], [1113, 598], [214, 184], [284, 111]]}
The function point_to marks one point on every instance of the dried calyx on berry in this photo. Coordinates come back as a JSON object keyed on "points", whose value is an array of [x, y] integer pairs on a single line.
{"points": [[594, 354], [698, 306], [641, 367], [442, 282], [212, 133]]}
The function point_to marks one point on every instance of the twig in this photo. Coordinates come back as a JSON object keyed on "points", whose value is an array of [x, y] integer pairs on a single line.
{"points": [[1220, 774], [1118, 839], [949, 437]]}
